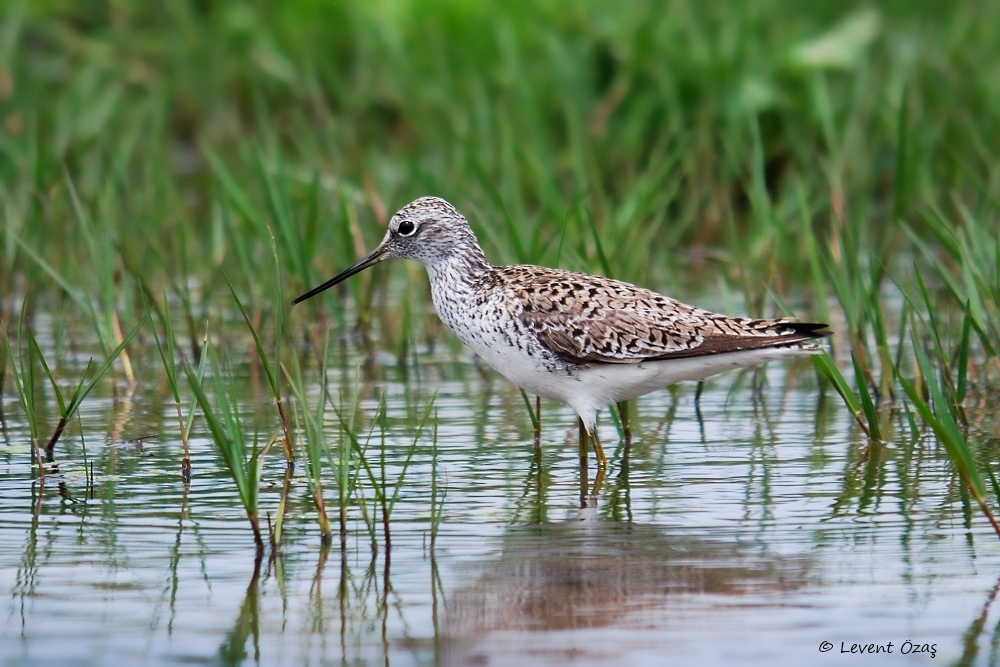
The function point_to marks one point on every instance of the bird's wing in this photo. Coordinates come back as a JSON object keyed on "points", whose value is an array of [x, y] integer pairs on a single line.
{"points": [[587, 319]]}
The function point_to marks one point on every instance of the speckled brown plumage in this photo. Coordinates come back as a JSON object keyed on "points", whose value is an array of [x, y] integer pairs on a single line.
{"points": [[588, 319]]}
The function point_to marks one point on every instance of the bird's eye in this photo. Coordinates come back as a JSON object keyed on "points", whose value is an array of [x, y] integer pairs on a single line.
{"points": [[406, 228]]}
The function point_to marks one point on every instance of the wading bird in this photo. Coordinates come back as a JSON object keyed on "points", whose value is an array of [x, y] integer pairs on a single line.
{"points": [[583, 340]]}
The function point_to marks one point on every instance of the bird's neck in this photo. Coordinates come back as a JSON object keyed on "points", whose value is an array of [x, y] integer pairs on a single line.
{"points": [[456, 288], [459, 272]]}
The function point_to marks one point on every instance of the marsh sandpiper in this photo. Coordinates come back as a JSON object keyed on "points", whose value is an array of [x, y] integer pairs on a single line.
{"points": [[571, 337]]}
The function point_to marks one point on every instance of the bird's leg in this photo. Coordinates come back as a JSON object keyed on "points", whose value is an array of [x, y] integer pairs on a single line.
{"points": [[583, 444], [595, 490], [602, 460]]}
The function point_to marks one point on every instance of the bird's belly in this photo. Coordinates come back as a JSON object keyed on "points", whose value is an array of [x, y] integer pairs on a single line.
{"points": [[527, 371], [608, 383]]}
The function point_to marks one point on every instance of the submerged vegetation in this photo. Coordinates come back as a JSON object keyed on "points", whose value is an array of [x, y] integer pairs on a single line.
{"points": [[159, 159]]}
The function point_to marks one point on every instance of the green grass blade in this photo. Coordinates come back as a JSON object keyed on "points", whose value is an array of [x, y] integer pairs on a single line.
{"points": [[103, 368], [227, 441], [166, 355], [268, 370], [410, 452], [828, 369], [200, 376], [900, 187], [602, 258], [531, 410], [963, 357], [993, 484], [874, 432], [943, 423], [68, 288], [229, 184], [25, 391], [36, 352]]}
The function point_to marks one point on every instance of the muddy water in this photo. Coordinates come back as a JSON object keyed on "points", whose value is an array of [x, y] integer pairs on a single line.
{"points": [[754, 526]]}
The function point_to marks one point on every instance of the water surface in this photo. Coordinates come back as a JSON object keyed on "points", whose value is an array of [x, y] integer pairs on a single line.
{"points": [[748, 527]]}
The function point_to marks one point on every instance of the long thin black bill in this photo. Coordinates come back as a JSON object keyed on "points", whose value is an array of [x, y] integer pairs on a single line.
{"points": [[371, 260]]}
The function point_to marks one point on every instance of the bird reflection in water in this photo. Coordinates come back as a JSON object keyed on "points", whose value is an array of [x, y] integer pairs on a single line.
{"points": [[592, 574]]}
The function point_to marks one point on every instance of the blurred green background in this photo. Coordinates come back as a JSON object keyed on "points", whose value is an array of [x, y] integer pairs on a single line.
{"points": [[638, 139]]}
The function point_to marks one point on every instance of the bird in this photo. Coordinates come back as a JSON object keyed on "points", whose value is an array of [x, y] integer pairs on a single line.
{"points": [[579, 339]]}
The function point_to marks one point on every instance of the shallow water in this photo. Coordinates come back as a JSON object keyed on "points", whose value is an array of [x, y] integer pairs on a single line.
{"points": [[750, 527]]}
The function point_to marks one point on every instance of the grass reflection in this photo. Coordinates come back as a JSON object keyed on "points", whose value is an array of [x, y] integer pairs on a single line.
{"points": [[247, 626]]}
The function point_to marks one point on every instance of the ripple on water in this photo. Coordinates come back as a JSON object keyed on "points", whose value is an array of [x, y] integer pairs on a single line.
{"points": [[749, 535]]}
